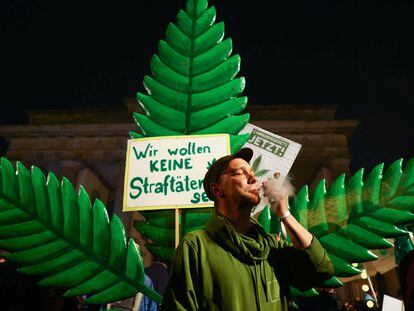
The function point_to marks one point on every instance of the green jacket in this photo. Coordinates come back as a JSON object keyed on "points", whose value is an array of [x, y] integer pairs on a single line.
{"points": [[220, 269]]}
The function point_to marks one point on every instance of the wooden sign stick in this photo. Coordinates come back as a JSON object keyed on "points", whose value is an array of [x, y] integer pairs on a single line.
{"points": [[177, 227]]}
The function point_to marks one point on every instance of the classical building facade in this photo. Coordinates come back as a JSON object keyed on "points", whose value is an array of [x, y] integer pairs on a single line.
{"points": [[88, 146]]}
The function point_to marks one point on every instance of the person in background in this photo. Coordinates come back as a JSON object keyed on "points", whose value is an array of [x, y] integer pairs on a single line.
{"points": [[158, 273], [139, 302], [147, 304]]}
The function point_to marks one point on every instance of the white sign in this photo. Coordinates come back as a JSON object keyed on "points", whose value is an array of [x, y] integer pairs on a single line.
{"points": [[272, 153], [168, 172], [392, 304]]}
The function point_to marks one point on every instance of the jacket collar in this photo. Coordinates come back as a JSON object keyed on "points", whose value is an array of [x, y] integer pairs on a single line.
{"points": [[241, 246]]}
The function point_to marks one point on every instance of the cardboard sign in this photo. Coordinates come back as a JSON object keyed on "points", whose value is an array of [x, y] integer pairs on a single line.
{"points": [[168, 172], [392, 304], [272, 153]]}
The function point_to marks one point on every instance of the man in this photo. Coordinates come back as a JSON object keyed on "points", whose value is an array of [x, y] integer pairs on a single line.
{"points": [[233, 264]]}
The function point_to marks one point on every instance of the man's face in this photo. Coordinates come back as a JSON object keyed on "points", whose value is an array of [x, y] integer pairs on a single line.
{"points": [[238, 184]]}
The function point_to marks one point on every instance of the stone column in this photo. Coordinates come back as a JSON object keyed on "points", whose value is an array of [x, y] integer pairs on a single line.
{"points": [[339, 166], [141, 240], [52, 166], [392, 283], [331, 171], [93, 185], [323, 173], [70, 169], [126, 217]]}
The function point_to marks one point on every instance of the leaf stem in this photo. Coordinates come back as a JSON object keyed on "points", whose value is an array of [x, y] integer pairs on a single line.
{"points": [[190, 73]]}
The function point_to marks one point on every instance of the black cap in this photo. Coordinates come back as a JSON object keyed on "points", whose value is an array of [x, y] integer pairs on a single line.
{"points": [[218, 167]]}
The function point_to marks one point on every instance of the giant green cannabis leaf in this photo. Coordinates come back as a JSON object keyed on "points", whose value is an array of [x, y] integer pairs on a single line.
{"points": [[57, 235], [352, 218], [193, 89], [159, 227]]}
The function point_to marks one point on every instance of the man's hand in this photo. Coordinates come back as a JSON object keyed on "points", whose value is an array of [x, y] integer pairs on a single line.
{"points": [[279, 206], [277, 195]]}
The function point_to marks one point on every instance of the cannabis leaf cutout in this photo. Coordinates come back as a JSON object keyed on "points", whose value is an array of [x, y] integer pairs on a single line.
{"points": [[209, 164], [193, 88], [350, 219], [59, 236], [256, 165]]}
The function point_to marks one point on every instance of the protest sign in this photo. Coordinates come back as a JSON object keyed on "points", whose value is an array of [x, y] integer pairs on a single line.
{"points": [[167, 172], [272, 154]]}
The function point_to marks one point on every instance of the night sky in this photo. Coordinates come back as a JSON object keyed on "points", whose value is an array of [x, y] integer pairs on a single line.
{"points": [[357, 55]]}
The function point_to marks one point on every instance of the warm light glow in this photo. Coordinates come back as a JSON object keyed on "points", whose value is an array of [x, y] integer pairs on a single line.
{"points": [[370, 304], [364, 274], [354, 265], [365, 287]]}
